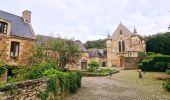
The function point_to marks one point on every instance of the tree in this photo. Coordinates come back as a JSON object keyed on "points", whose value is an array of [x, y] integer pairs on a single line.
{"points": [[65, 51], [100, 44], [159, 43]]}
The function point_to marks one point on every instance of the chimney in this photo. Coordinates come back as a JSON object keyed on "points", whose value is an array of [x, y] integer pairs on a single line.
{"points": [[26, 15]]}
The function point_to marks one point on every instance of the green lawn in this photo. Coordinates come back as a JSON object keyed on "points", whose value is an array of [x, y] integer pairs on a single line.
{"points": [[148, 83]]}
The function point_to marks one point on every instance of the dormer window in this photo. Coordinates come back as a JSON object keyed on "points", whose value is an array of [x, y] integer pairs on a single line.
{"points": [[3, 27], [121, 32]]}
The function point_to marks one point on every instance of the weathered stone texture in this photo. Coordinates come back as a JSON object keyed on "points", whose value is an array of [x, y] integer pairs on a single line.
{"points": [[25, 46], [26, 90], [132, 45]]}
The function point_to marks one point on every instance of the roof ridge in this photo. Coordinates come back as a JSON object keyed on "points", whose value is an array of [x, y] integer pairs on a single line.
{"points": [[10, 13]]}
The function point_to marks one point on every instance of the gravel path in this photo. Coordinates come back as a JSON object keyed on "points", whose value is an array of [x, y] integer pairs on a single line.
{"points": [[106, 88]]}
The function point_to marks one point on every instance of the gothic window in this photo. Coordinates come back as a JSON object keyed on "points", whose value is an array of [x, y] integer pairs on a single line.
{"points": [[14, 52], [3, 27], [121, 32], [120, 49], [123, 46]]}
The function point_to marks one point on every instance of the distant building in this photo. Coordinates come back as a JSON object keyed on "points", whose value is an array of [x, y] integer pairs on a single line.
{"points": [[88, 55], [16, 37], [123, 47]]}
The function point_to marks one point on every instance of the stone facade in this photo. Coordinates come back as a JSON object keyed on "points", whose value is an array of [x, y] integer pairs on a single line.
{"points": [[123, 43], [16, 38]]}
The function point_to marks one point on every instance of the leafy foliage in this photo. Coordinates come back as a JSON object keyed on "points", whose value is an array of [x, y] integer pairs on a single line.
{"points": [[101, 72], [158, 43], [100, 44], [3, 68], [93, 65], [38, 70], [64, 51], [168, 71], [155, 63], [166, 86], [61, 82]]}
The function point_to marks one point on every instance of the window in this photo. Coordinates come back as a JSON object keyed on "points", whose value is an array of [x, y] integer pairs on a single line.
{"points": [[14, 52], [123, 46], [120, 47], [3, 27], [121, 32]]}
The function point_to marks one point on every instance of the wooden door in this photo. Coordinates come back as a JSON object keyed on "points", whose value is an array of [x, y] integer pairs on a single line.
{"points": [[83, 65]]}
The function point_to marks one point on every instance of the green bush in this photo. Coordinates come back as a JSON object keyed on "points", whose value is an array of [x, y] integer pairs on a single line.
{"points": [[61, 82], [168, 71], [3, 68], [166, 86], [93, 66], [37, 71], [155, 63], [160, 66]]}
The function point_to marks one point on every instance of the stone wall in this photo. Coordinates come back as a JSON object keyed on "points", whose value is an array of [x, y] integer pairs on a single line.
{"points": [[25, 46], [26, 90]]}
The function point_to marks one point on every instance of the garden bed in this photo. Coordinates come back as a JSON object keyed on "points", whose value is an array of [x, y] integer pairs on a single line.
{"points": [[103, 72]]}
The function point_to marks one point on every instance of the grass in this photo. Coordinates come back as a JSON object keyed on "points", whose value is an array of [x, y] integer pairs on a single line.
{"points": [[148, 82]]}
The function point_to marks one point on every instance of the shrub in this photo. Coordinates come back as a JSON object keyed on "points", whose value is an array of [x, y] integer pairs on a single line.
{"points": [[160, 66], [37, 71], [166, 86], [155, 63], [3, 69], [168, 71], [93, 66], [61, 82]]}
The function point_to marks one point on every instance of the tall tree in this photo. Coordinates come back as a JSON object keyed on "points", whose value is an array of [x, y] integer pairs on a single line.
{"points": [[159, 43]]}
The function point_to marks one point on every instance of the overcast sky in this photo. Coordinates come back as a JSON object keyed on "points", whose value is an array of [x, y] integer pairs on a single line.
{"points": [[92, 19]]}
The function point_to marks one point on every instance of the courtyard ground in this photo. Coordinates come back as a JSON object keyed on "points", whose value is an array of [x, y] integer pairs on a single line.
{"points": [[124, 85]]}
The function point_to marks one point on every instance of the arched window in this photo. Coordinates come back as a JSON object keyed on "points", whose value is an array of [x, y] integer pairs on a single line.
{"points": [[123, 46], [120, 47], [3, 27]]}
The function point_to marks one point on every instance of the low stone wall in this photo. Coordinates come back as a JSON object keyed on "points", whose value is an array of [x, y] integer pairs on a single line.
{"points": [[25, 90]]}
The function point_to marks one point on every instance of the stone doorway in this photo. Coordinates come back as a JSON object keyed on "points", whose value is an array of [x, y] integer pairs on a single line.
{"points": [[121, 61], [84, 65]]}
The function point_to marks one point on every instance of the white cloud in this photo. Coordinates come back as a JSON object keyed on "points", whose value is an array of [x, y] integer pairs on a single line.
{"points": [[92, 19]]}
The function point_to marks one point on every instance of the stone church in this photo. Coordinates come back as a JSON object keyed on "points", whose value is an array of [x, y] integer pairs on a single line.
{"points": [[123, 47]]}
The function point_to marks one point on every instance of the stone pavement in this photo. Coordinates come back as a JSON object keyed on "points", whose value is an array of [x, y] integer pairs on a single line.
{"points": [[106, 88]]}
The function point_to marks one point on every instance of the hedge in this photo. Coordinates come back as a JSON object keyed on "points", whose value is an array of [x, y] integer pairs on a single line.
{"points": [[155, 63]]}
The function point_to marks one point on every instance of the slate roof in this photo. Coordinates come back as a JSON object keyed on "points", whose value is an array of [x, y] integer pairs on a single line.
{"points": [[18, 26], [100, 53], [81, 46]]}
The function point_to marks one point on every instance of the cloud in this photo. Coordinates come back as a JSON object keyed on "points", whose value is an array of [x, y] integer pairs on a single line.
{"points": [[92, 19]]}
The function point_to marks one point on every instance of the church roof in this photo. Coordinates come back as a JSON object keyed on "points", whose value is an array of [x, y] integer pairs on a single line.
{"points": [[122, 27], [18, 26]]}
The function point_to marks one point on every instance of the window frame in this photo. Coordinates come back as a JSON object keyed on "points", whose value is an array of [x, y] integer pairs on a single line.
{"points": [[14, 49], [3, 27]]}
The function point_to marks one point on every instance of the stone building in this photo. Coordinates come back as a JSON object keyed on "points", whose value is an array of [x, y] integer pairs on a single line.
{"points": [[123, 47], [16, 37], [88, 55]]}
